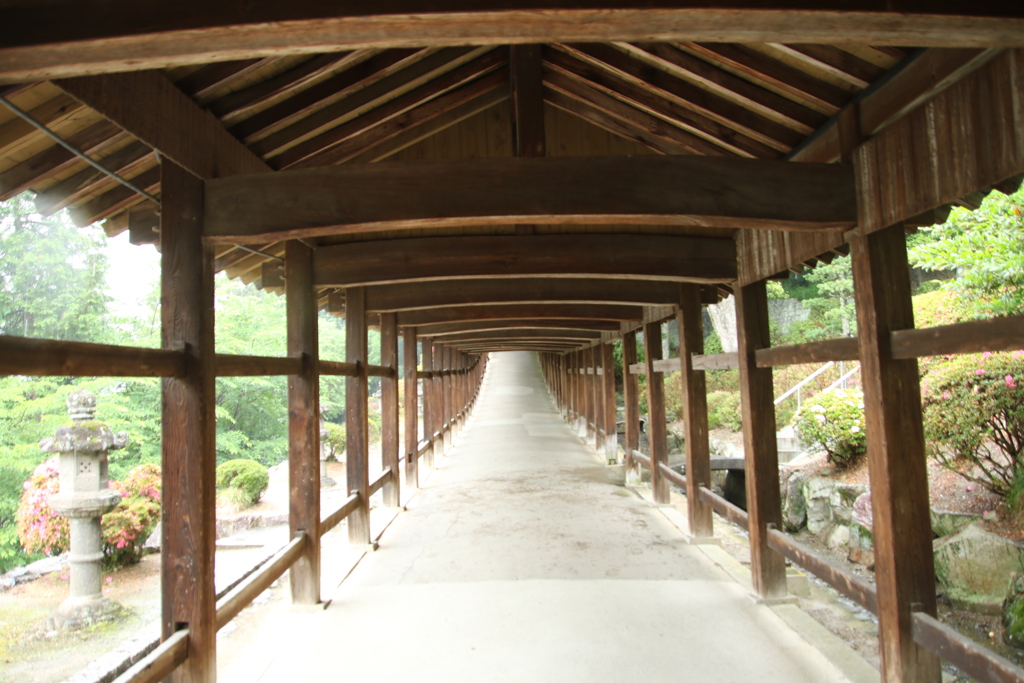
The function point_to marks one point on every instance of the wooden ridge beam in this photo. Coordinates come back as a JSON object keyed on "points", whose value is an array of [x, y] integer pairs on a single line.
{"points": [[454, 294], [441, 331], [651, 190], [148, 106], [654, 257], [77, 40], [539, 311]]}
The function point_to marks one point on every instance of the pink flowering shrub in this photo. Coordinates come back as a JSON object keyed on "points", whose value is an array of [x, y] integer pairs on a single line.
{"points": [[125, 528], [834, 421], [974, 417]]}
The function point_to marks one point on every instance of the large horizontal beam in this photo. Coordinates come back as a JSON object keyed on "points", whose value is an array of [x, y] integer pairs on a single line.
{"points": [[653, 257], [444, 294], [651, 190], [67, 37], [539, 311], [442, 330], [523, 335]]}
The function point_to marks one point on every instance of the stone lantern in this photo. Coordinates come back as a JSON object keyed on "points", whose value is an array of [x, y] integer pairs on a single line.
{"points": [[83, 498]]}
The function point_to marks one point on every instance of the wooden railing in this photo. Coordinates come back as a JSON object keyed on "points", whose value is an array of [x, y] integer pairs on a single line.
{"points": [[160, 663]]}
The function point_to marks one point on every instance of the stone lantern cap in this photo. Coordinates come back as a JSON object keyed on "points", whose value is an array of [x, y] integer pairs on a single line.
{"points": [[84, 433]]}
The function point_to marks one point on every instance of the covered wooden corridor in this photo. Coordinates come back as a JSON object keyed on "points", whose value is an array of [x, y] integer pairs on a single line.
{"points": [[524, 558]]}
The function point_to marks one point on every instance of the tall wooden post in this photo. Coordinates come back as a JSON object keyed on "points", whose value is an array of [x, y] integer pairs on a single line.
{"points": [[572, 375], [438, 415], [356, 426], [904, 567], [412, 420], [695, 410], [599, 412], [303, 421], [189, 450], [611, 440], [631, 397], [429, 402], [768, 568], [446, 387], [389, 409], [656, 434]]}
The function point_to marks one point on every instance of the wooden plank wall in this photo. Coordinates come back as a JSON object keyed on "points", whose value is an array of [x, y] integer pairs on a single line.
{"points": [[969, 137], [763, 253]]}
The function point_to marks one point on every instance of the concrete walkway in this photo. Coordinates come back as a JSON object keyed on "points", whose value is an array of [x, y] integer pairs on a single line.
{"points": [[524, 559]]}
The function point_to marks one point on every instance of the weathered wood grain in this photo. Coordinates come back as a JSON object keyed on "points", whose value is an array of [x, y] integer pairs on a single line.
{"points": [[976, 336], [695, 410], [656, 412], [52, 358], [811, 352], [410, 361], [389, 408], [539, 311], [356, 425]]}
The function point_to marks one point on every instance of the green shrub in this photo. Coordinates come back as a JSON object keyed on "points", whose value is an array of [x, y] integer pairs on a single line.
{"points": [[974, 417], [834, 420], [334, 440], [248, 476], [724, 411]]}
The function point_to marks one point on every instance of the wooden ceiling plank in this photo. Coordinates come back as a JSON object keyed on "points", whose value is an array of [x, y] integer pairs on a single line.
{"points": [[654, 257], [149, 107], [12, 132], [780, 75], [419, 126], [441, 331], [652, 190], [394, 126], [524, 334], [726, 112], [75, 39], [55, 159], [118, 198], [741, 91], [519, 311], [687, 119], [672, 139], [321, 94], [320, 150], [413, 74], [235, 104], [483, 293], [527, 76], [604, 121], [839, 63], [204, 80], [124, 162]]}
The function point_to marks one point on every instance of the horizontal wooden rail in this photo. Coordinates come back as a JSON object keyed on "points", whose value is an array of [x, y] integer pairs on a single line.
{"points": [[716, 361], [380, 371], [673, 476], [334, 519], [731, 512], [54, 358], [231, 365], [663, 365], [973, 659], [861, 592], [846, 348], [642, 459], [242, 595], [332, 367], [160, 663], [996, 334], [378, 483]]}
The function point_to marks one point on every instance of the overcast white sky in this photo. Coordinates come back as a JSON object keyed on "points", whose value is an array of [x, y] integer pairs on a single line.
{"points": [[134, 270]]}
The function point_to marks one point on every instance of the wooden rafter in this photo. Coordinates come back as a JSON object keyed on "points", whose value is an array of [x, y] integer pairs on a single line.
{"points": [[76, 40], [442, 331], [536, 311], [714, 192]]}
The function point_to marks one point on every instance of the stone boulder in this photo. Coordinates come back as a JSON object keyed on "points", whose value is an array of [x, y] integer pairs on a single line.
{"points": [[794, 505], [974, 567], [945, 523]]}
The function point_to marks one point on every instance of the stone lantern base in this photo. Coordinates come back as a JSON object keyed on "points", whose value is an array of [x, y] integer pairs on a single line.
{"points": [[75, 613]]}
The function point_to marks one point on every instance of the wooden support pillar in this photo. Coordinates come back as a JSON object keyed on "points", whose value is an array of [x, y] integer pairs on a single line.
{"points": [[438, 413], [389, 409], [429, 402], [631, 397], [695, 410], [189, 450], [587, 396], [446, 397], [356, 426], [611, 440], [597, 384], [412, 418], [303, 422], [904, 566], [768, 568], [656, 434], [571, 377]]}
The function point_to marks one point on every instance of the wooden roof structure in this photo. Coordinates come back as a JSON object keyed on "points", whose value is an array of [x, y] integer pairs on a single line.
{"points": [[548, 176]]}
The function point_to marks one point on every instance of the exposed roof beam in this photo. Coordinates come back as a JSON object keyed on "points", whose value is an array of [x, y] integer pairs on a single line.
{"points": [[455, 294], [654, 257], [442, 331], [651, 190], [538, 311], [148, 106], [75, 39], [522, 334]]}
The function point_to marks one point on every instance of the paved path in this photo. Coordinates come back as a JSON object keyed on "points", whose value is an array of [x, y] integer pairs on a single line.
{"points": [[524, 560]]}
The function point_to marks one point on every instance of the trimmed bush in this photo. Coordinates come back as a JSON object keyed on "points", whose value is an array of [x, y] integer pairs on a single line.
{"points": [[974, 417], [248, 476], [125, 528], [834, 420], [334, 440], [724, 411]]}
